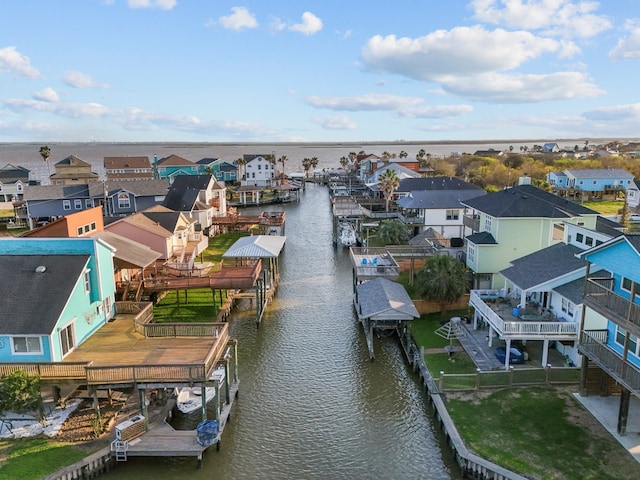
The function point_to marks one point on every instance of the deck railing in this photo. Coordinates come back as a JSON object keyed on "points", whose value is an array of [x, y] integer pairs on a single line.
{"points": [[47, 371], [183, 329], [128, 374], [608, 303]]}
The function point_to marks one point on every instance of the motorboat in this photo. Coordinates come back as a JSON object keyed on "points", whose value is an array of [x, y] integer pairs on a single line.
{"points": [[189, 399], [347, 234]]}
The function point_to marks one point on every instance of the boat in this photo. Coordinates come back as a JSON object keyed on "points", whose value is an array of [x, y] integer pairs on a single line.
{"points": [[347, 234], [190, 398]]}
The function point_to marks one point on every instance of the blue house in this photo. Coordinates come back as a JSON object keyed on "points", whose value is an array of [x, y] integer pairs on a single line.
{"points": [[591, 180], [611, 347], [172, 166], [56, 292], [221, 169]]}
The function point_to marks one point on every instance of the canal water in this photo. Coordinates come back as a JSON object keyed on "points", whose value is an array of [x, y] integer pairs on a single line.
{"points": [[311, 404]]}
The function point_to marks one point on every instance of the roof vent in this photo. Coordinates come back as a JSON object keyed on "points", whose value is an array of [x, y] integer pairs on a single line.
{"points": [[40, 269]]}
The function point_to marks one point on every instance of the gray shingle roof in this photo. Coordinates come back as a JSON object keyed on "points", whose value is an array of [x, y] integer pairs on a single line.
{"points": [[435, 183], [482, 238], [544, 265], [573, 291], [527, 201], [183, 193], [32, 302], [437, 199]]}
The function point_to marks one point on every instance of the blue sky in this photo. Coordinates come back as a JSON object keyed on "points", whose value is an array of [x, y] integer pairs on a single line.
{"points": [[318, 71]]}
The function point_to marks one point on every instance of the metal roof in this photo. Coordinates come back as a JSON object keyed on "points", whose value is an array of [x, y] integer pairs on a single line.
{"points": [[256, 246]]}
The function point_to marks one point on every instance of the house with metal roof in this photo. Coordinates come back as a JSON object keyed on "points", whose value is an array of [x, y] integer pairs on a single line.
{"points": [[59, 292], [515, 222]]}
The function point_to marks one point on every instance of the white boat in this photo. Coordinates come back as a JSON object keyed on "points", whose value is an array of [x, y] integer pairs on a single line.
{"points": [[190, 398], [347, 234]]}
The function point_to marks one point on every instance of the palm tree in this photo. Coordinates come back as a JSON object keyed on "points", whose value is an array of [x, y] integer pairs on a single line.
{"points": [[241, 162], [45, 153], [392, 232], [282, 159], [314, 162], [403, 154], [388, 182], [344, 161], [306, 165], [442, 279]]}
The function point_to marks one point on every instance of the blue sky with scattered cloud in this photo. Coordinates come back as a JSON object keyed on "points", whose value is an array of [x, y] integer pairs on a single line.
{"points": [[318, 71]]}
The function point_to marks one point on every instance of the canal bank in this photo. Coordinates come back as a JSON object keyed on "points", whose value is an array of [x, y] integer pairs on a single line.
{"points": [[312, 405]]}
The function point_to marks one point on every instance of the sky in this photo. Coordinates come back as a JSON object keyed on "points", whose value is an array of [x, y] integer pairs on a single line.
{"points": [[318, 71]]}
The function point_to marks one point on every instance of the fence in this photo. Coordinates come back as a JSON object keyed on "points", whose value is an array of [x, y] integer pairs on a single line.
{"points": [[513, 377]]}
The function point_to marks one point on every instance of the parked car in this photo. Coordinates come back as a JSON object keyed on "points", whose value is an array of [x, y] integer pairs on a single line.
{"points": [[516, 357], [634, 217]]}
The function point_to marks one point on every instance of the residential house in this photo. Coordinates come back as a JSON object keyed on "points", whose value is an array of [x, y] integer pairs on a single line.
{"points": [[435, 202], [83, 223], [543, 292], [170, 233], [515, 222], [258, 171], [611, 350], [73, 171], [592, 180], [633, 194], [172, 166], [128, 168], [368, 164], [550, 147], [124, 197], [13, 180], [488, 153], [60, 291], [199, 197], [400, 171], [409, 163], [221, 169]]}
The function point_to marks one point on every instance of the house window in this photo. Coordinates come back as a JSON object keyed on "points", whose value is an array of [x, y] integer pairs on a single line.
{"points": [[19, 187], [66, 204], [453, 214], [471, 252], [633, 340], [123, 201], [67, 339], [88, 203], [487, 223], [93, 225], [26, 345], [567, 307], [588, 241], [579, 237], [87, 228], [87, 282], [79, 230], [59, 182], [627, 284], [77, 204]]}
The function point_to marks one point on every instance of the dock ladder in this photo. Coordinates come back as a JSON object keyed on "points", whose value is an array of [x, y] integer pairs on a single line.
{"points": [[120, 447]]}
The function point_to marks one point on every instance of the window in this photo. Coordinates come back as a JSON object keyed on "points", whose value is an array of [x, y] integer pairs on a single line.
{"points": [[633, 340], [487, 223], [588, 241], [123, 201], [19, 187], [471, 252], [77, 204], [66, 204], [567, 307], [87, 282], [453, 214], [88, 203], [79, 230], [93, 225], [627, 284], [67, 339], [25, 345], [579, 237], [86, 228]]}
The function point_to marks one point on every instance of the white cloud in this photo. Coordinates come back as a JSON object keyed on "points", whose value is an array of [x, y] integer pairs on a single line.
{"points": [[161, 4], [554, 17], [615, 113], [69, 110], [309, 26], [459, 51], [47, 95], [81, 80], [12, 61], [239, 19], [369, 102], [497, 88], [627, 47], [436, 111], [340, 122]]}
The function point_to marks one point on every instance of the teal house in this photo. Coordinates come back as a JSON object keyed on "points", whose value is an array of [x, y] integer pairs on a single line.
{"points": [[170, 167], [611, 364], [222, 170], [56, 292]]}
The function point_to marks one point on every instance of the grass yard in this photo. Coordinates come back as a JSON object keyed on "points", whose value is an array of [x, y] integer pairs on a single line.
{"points": [[33, 458], [187, 306], [541, 433], [609, 207]]}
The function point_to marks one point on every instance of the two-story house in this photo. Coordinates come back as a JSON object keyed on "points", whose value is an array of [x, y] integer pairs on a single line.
{"points": [[45, 203], [221, 169], [172, 166], [610, 348], [435, 202], [73, 171], [124, 197], [258, 171], [592, 181], [13, 181], [199, 197], [128, 168], [59, 292], [515, 222]]}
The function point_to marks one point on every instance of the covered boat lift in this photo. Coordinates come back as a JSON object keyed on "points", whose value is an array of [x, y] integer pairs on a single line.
{"points": [[383, 305]]}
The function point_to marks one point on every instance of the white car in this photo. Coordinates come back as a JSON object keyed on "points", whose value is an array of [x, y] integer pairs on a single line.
{"points": [[634, 217]]}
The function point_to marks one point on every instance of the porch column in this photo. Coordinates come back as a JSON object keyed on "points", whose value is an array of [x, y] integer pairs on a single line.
{"points": [[203, 407], [490, 335], [623, 412], [584, 368], [545, 352], [523, 299], [507, 353]]}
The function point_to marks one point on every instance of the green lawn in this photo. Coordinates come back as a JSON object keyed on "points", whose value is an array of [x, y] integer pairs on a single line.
{"points": [[192, 306], [33, 458], [609, 207]]}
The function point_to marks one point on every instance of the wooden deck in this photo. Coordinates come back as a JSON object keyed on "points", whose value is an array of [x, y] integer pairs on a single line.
{"points": [[227, 278]]}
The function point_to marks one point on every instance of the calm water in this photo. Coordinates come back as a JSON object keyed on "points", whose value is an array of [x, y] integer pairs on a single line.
{"points": [[311, 404]]}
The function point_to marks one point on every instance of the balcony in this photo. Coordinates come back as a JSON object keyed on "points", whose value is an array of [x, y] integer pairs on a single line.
{"points": [[620, 310], [472, 222], [593, 344], [522, 327]]}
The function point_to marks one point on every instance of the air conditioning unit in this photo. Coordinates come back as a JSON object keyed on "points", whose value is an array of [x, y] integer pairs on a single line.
{"points": [[99, 309]]}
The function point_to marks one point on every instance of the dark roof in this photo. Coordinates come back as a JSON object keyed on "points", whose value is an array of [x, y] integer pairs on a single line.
{"points": [[184, 191], [482, 238], [33, 302], [167, 220], [11, 174], [609, 227], [435, 183], [55, 192], [544, 265], [437, 199], [573, 291], [428, 237], [206, 161], [174, 160], [138, 187], [527, 201]]}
